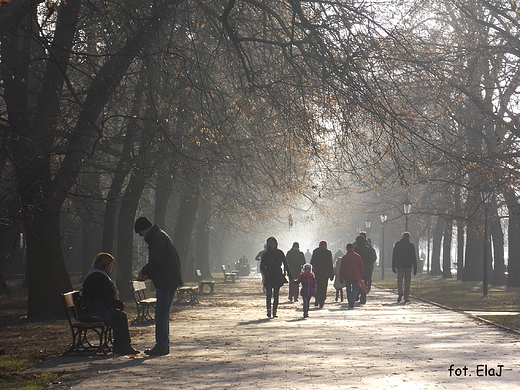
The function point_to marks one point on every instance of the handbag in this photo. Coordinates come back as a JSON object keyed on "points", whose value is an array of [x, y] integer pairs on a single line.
{"points": [[362, 285], [94, 311]]}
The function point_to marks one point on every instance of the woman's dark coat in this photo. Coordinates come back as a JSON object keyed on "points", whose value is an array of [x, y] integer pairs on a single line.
{"points": [[271, 268]]}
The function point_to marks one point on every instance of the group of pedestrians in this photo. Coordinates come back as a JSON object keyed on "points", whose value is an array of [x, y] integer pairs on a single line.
{"points": [[313, 277], [353, 271]]}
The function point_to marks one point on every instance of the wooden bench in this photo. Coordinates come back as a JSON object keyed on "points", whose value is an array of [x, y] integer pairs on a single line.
{"points": [[187, 295], [205, 286], [86, 336], [228, 276], [143, 303], [233, 271]]}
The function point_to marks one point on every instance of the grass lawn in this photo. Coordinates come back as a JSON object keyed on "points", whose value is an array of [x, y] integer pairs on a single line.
{"points": [[461, 295]]}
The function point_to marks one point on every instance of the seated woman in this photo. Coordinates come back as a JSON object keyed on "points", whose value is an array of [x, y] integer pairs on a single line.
{"points": [[98, 288]]}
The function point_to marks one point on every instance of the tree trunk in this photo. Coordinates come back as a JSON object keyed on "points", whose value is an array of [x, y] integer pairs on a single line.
{"points": [[121, 172], [499, 267], [163, 192], [129, 203], [473, 270], [46, 273], [202, 238], [513, 262], [186, 217], [460, 249], [436, 251], [91, 216], [446, 248]]}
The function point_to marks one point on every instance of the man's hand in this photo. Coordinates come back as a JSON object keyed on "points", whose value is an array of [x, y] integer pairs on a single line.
{"points": [[141, 277]]}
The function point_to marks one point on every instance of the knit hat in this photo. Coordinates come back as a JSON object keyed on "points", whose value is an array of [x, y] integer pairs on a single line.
{"points": [[142, 223], [296, 245]]}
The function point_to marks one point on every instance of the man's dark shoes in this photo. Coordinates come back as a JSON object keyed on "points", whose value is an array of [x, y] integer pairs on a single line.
{"points": [[399, 298], [156, 351], [125, 351]]}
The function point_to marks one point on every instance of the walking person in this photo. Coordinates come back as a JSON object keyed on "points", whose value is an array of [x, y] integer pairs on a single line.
{"points": [[258, 257], [273, 274], [308, 282], [351, 272], [323, 269], [403, 260], [338, 283], [164, 269], [296, 259], [100, 291], [370, 270], [366, 252], [308, 256]]}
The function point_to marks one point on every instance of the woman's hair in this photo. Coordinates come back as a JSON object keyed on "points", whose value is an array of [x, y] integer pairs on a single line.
{"points": [[102, 260]]}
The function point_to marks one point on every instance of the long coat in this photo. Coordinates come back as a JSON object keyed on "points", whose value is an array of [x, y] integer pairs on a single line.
{"points": [[403, 255], [271, 267], [164, 266], [322, 264], [296, 259]]}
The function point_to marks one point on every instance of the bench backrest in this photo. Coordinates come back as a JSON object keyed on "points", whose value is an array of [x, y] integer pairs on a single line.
{"points": [[198, 274], [139, 290], [70, 303], [223, 268], [138, 285]]}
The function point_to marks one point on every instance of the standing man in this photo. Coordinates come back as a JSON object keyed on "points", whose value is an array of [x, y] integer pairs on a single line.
{"points": [[403, 260], [164, 269], [323, 269], [296, 259]]}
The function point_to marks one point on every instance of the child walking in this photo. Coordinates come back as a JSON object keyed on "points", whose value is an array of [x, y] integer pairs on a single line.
{"points": [[308, 282]]}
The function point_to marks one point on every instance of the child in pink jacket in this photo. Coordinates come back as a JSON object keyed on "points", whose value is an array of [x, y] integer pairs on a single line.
{"points": [[308, 282]]}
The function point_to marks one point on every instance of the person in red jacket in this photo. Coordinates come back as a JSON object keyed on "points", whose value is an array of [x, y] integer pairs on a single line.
{"points": [[351, 272]]}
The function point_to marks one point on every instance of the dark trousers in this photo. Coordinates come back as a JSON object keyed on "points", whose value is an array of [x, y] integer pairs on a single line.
{"points": [[306, 302], [367, 276], [274, 294], [120, 330], [321, 293], [293, 291], [352, 291]]}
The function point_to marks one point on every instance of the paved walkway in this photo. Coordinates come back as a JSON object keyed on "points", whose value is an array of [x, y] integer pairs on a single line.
{"points": [[226, 342]]}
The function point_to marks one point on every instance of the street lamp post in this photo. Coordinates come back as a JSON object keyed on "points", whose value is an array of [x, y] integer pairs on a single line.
{"points": [[407, 208], [368, 223], [383, 217], [486, 195]]}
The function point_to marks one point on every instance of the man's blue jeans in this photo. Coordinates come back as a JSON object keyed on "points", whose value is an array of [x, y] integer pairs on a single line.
{"points": [[352, 291], [162, 317]]}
